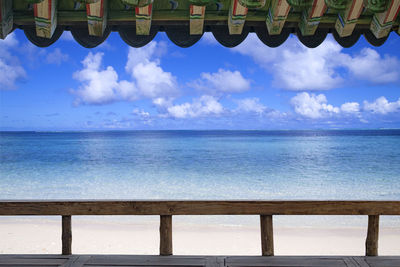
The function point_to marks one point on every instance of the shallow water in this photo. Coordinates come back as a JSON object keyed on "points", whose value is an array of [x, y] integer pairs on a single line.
{"points": [[201, 165]]}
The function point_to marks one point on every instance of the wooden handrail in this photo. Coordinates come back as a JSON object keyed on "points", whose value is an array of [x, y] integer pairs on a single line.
{"points": [[202, 207], [165, 209]]}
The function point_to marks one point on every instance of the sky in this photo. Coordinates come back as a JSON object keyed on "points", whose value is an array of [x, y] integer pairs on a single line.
{"points": [[66, 87]]}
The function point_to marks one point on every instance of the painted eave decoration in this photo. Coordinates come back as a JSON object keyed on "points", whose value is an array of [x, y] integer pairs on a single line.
{"points": [[184, 21]]}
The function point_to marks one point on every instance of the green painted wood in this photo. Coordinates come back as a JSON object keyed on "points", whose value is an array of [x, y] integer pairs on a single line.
{"points": [[261, 14]]}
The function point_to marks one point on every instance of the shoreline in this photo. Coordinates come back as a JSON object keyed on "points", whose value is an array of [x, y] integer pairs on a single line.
{"points": [[41, 236]]}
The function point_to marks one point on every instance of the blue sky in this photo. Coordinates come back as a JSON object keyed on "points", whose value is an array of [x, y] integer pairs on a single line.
{"points": [[207, 86]]}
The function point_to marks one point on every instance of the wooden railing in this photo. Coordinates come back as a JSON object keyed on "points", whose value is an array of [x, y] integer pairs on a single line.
{"points": [[166, 209]]}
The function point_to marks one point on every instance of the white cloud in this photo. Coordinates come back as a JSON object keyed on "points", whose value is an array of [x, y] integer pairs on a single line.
{"points": [[313, 106], [151, 80], [316, 107], [370, 66], [203, 106], [250, 105], [302, 68], [11, 40], [56, 57], [141, 113], [99, 85], [148, 80], [143, 116], [10, 67], [382, 106], [295, 67], [223, 81], [350, 107]]}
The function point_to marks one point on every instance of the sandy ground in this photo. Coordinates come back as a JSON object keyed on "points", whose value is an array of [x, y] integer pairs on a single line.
{"points": [[43, 236]]}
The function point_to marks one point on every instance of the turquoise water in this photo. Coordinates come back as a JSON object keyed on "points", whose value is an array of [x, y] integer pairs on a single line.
{"points": [[205, 165], [201, 165]]}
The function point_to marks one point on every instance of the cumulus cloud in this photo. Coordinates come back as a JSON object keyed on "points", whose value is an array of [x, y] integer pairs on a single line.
{"points": [[296, 67], [250, 105], [350, 107], [370, 66], [382, 106], [222, 81], [56, 57], [312, 106], [204, 106], [101, 85], [151, 80], [10, 68], [316, 107]]}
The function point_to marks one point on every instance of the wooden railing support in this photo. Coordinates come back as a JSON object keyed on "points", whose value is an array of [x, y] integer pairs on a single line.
{"points": [[371, 244], [66, 236], [267, 235], [165, 235]]}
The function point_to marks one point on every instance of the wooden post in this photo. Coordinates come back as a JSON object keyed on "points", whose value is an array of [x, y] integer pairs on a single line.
{"points": [[66, 235], [6, 18], [371, 244], [165, 235], [267, 235]]}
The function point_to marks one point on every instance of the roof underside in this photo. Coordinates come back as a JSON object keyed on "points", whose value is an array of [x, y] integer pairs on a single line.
{"points": [[185, 21]]}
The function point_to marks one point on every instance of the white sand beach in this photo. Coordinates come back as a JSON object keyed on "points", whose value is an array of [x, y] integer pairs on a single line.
{"points": [[40, 236]]}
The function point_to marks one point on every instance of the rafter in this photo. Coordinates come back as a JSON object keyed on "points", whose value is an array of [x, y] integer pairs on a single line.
{"points": [[382, 22], [197, 19], [97, 14], [311, 17], [347, 19], [277, 15], [237, 17], [143, 19], [45, 18]]}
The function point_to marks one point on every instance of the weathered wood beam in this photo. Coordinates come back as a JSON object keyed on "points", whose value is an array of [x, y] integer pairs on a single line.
{"points": [[371, 244], [267, 235], [381, 24], [197, 19], [66, 236], [153, 207], [97, 14], [6, 18], [45, 18], [277, 15], [237, 17], [165, 235], [311, 17], [143, 19], [347, 19]]}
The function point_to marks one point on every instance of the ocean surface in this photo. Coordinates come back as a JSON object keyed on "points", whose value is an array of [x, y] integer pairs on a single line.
{"points": [[345, 165]]}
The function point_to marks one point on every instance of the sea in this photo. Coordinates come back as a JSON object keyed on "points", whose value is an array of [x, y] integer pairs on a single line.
{"points": [[197, 165]]}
